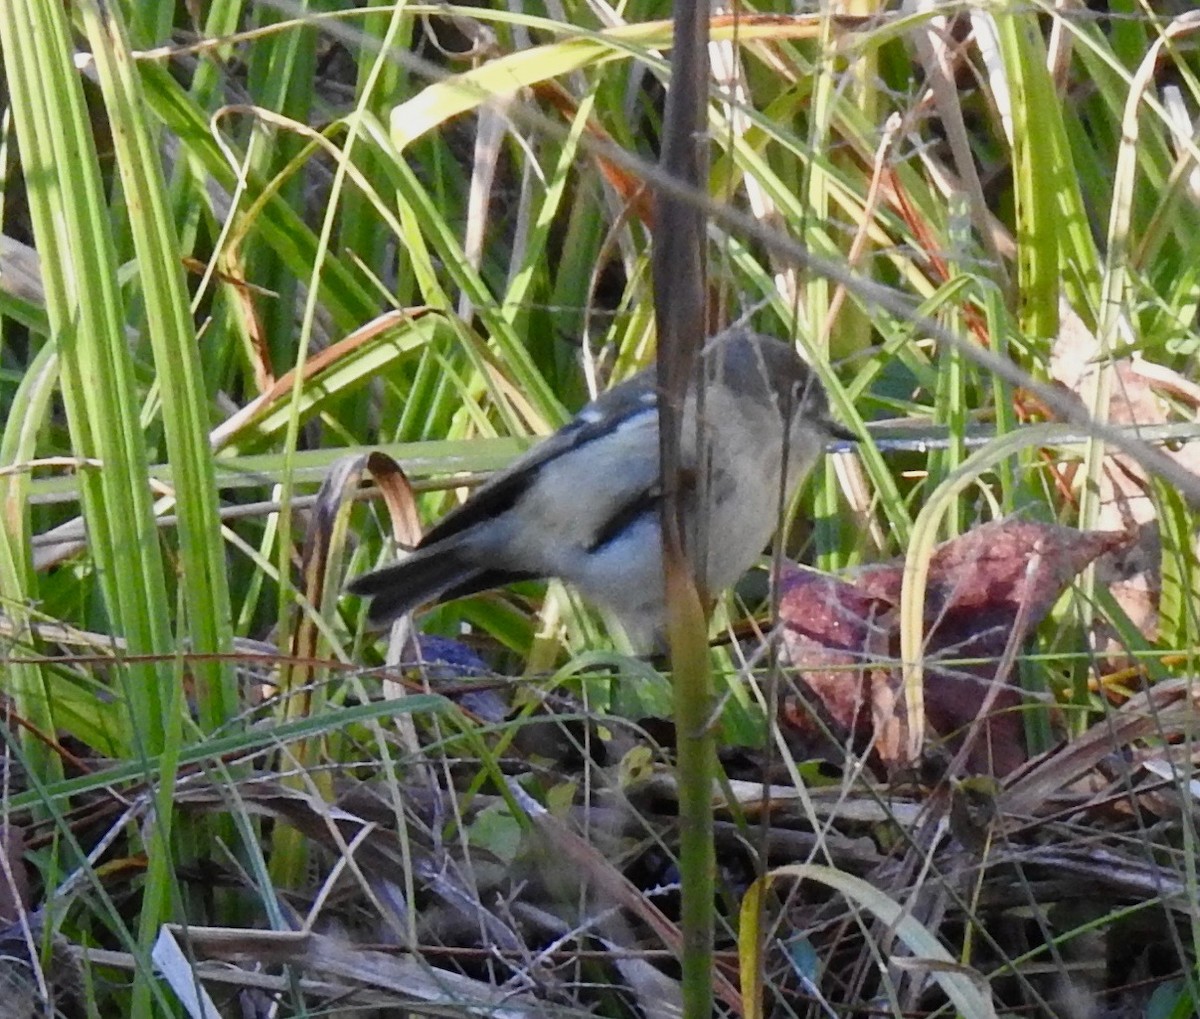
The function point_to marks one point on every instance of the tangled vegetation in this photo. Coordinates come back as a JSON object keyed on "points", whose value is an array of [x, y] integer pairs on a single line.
{"points": [[280, 280]]}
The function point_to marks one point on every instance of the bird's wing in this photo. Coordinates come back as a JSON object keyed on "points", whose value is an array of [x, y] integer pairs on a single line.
{"points": [[603, 418]]}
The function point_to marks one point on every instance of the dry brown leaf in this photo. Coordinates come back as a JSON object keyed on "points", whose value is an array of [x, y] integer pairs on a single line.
{"points": [[1132, 572], [986, 590]]}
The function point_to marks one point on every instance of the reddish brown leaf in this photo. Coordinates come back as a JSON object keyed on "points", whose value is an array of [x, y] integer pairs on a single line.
{"points": [[986, 588], [986, 571], [833, 629]]}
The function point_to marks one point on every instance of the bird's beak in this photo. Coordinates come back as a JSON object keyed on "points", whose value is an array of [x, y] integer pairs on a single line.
{"points": [[840, 432]]}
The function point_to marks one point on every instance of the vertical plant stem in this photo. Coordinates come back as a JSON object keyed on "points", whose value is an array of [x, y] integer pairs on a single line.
{"points": [[679, 301]]}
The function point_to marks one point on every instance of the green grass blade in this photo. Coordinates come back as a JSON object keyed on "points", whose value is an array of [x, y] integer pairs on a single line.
{"points": [[27, 683], [202, 569], [86, 314]]}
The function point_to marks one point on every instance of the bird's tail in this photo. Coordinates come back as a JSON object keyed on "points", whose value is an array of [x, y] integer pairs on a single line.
{"points": [[427, 575]]}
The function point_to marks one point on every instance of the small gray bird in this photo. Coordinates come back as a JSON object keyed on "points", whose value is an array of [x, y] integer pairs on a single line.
{"points": [[584, 504]]}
